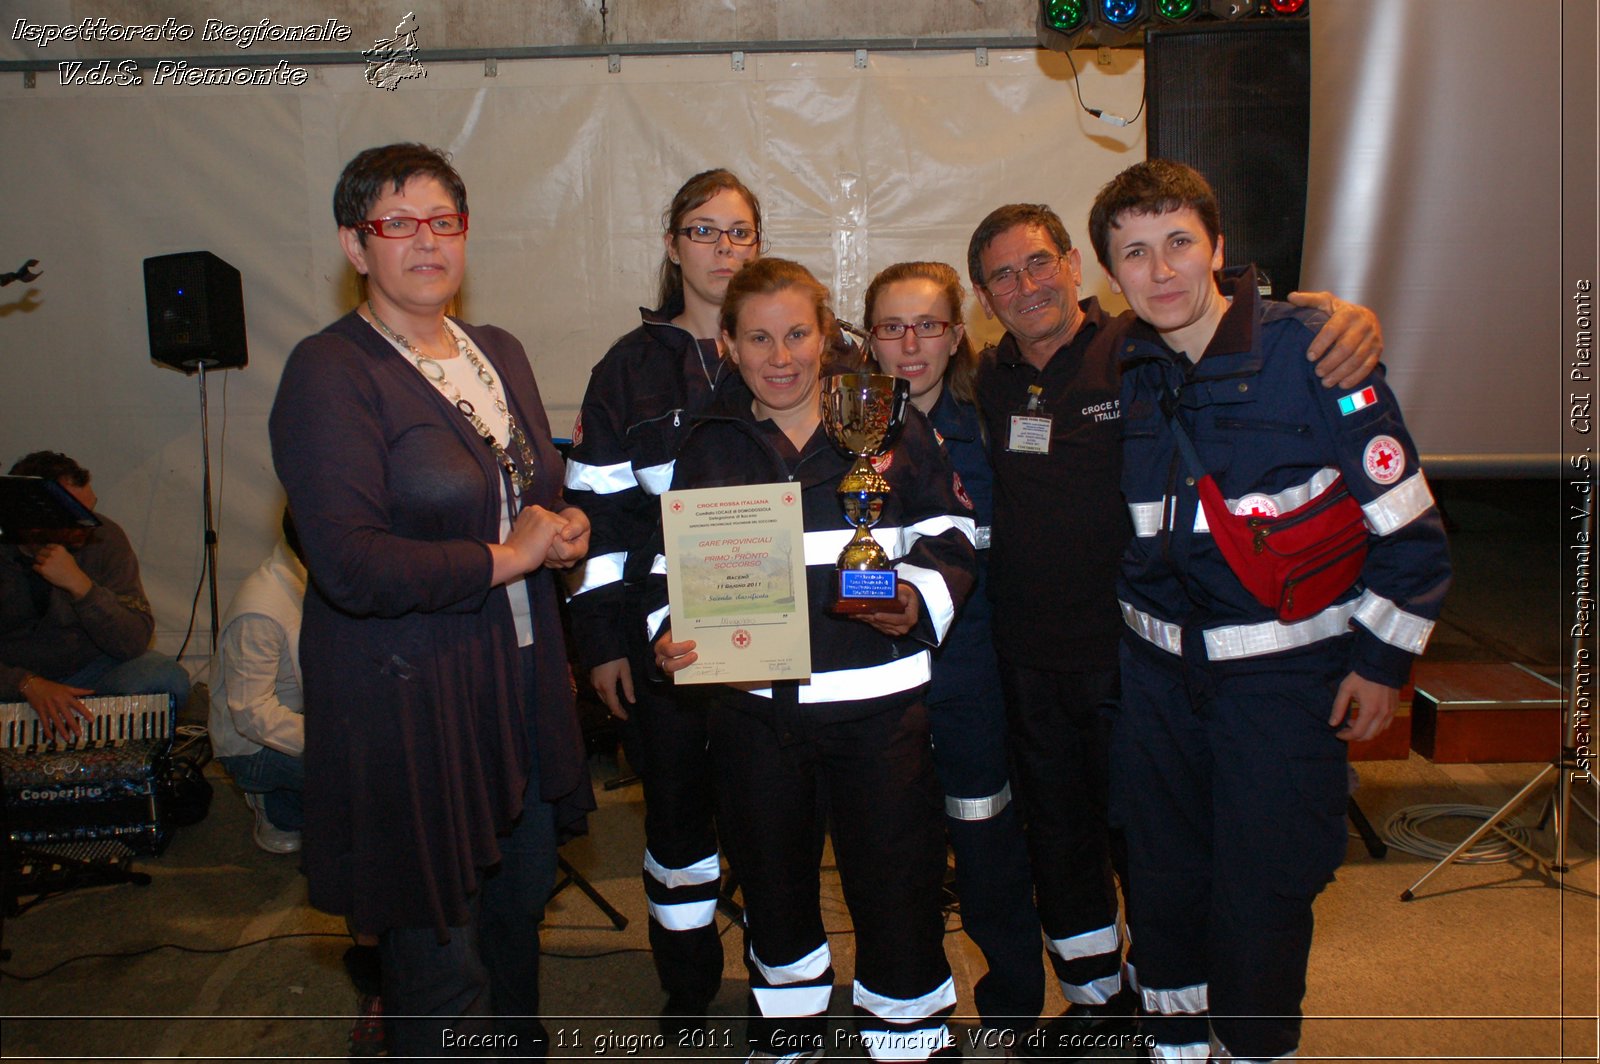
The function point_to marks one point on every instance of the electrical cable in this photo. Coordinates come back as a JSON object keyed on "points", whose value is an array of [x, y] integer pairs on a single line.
{"points": [[168, 945], [1104, 116], [1404, 832]]}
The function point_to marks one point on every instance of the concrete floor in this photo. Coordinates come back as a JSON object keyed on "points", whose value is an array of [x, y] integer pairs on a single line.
{"points": [[220, 957]]}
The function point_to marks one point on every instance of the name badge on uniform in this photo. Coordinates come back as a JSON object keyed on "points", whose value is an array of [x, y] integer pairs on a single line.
{"points": [[1030, 428]]}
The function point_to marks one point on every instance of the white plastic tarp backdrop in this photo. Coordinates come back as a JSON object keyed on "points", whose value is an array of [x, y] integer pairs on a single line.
{"points": [[568, 168]]}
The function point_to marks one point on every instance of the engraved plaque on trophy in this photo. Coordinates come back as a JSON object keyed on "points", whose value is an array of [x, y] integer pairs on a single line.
{"points": [[863, 413]]}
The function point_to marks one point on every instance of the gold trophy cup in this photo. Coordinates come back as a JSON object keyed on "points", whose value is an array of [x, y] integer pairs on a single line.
{"points": [[863, 413]]}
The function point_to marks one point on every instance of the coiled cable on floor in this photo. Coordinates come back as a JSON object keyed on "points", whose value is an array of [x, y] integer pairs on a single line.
{"points": [[1404, 832]]}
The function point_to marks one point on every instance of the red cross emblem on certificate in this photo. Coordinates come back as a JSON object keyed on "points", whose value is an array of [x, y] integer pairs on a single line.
{"points": [[741, 638]]}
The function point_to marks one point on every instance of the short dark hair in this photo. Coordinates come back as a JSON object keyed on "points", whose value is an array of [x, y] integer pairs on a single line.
{"points": [[1009, 217], [378, 170], [51, 465], [1155, 186]]}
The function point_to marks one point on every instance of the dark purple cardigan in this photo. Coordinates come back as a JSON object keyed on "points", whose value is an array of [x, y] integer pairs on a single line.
{"points": [[416, 756]]}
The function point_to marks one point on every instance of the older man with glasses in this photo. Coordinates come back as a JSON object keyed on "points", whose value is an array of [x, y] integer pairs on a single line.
{"points": [[1049, 395]]}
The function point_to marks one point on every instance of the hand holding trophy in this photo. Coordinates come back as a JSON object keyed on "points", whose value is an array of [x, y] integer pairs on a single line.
{"points": [[863, 413]]}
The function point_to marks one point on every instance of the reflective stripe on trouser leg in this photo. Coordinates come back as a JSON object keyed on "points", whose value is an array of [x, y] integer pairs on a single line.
{"points": [[797, 992], [682, 899], [1076, 956], [904, 1028]]}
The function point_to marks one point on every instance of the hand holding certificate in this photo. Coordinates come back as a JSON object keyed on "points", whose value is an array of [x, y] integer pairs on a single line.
{"points": [[736, 579]]}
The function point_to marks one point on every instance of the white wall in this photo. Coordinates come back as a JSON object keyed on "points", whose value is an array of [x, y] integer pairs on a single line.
{"points": [[567, 167]]}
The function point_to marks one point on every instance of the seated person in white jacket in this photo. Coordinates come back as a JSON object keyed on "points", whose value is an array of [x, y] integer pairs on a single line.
{"points": [[257, 730]]}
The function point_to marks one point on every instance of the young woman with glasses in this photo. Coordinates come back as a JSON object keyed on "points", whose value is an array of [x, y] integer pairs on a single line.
{"points": [[640, 400], [913, 315]]}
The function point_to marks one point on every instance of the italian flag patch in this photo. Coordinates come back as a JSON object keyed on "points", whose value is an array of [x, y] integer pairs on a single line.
{"points": [[1357, 401]]}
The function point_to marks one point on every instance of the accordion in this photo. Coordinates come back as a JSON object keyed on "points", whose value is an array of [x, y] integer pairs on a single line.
{"points": [[106, 785]]}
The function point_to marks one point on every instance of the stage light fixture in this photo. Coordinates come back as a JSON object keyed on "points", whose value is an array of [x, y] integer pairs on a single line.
{"points": [[1122, 14], [1065, 16], [1287, 7], [1176, 10], [1228, 10]]}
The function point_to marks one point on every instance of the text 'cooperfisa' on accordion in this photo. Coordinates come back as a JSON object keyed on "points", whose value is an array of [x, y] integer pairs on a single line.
{"points": [[106, 785]]}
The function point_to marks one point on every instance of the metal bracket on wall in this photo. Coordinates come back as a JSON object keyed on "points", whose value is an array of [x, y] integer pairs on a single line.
{"points": [[861, 59], [738, 61], [613, 64], [980, 57], [491, 68], [29, 80]]}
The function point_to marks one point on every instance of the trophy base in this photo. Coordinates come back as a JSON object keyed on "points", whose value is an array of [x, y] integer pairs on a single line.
{"points": [[859, 591]]}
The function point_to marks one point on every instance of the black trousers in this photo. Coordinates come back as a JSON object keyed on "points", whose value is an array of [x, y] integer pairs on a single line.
{"points": [[1232, 790], [665, 740], [777, 771], [1059, 726]]}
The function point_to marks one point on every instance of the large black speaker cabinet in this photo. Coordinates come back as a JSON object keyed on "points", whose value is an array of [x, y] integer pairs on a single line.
{"points": [[195, 304], [1234, 102]]}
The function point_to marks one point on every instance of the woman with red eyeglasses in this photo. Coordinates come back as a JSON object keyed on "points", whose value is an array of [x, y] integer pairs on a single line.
{"points": [[443, 757]]}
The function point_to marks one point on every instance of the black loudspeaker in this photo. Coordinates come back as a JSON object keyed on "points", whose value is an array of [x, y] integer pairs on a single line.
{"points": [[1233, 101], [195, 303]]}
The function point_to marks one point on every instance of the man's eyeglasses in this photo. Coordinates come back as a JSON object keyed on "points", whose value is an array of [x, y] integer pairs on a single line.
{"points": [[1040, 268], [895, 330], [738, 236], [401, 227]]}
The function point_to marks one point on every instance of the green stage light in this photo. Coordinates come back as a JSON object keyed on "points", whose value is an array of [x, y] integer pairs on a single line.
{"points": [[1065, 16], [1176, 10]]}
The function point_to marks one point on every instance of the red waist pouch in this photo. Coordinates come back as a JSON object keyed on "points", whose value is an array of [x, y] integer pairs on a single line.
{"points": [[1295, 563]]}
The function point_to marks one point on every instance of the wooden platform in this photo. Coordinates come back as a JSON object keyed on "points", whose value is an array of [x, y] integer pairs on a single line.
{"points": [[1484, 713]]}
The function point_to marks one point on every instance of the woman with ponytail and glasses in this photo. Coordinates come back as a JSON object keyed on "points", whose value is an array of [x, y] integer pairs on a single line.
{"points": [[638, 406], [913, 315]]}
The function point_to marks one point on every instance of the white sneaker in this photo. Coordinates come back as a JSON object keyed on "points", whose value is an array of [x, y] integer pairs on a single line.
{"points": [[268, 837]]}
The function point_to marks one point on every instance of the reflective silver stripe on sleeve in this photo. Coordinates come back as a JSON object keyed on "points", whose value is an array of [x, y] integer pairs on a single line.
{"points": [[1399, 506], [822, 548], [977, 808], [904, 1010], [1164, 634], [941, 608], [1392, 624], [874, 681], [658, 565], [1291, 498], [655, 479], [1146, 517], [938, 526], [598, 570], [655, 622], [1268, 637], [983, 537], [602, 480], [705, 870]]}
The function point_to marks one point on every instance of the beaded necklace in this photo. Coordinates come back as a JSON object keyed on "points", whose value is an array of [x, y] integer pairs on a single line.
{"points": [[519, 469]]}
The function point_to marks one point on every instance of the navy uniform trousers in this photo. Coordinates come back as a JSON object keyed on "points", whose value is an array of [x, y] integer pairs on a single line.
{"points": [[779, 774], [1231, 787]]}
